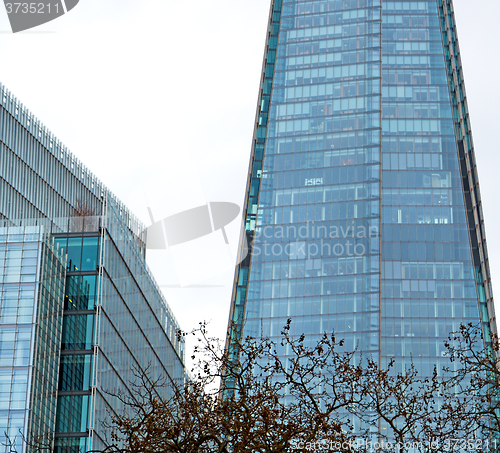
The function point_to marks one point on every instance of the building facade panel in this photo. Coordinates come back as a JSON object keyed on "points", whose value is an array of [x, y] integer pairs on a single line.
{"points": [[40, 178], [426, 253], [31, 282], [315, 254], [113, 317], [362, 206]]}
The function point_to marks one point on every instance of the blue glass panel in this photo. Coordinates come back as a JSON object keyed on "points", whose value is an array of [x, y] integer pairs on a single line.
{"points": [[72, 413], [75, 372], [78, 332], [80, 292], [316, 230], [90, 253], [360, 211], [72, 444], [74, 254], [428, 286]]}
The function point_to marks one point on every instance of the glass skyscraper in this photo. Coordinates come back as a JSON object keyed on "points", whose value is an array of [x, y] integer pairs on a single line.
{"points": [[79, 308], [363, 208]]}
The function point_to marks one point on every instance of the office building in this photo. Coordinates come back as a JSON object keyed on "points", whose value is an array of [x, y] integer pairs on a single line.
{"points": [[363, 205], [80, 311]]}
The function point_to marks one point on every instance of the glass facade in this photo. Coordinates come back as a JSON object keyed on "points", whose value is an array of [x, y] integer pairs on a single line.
{"points": [[40, 178], [78, 339], [362, 206], [32, 273], [320, 178], [428, 277], [112, 317]]}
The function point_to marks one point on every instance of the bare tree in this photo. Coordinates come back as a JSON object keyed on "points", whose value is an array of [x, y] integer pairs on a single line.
{"points": [[285, 396], [33, 444], [266, 404], [84, 217], [475, 380], [84, 208]]}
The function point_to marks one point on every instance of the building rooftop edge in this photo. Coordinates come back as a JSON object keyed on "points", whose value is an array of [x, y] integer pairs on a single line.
{"points": [[61, 152]]}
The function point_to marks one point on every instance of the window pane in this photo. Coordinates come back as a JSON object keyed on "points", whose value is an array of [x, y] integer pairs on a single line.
{"points": [[89, 253], [74, 254]]}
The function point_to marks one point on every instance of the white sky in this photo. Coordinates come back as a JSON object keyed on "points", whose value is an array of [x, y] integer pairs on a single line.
{"points": [[158, 98]]}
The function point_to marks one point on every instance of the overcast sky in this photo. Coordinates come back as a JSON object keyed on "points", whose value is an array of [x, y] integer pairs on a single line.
{"points": [[158, 99]]}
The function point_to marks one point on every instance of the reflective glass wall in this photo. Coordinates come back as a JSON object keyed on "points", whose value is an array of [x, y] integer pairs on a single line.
{"points": [[31, 288], [428, 284], [115, 321], [40, 178], [315, 241], [362, 207], [78, 339], [137, 330], [114, 317]]}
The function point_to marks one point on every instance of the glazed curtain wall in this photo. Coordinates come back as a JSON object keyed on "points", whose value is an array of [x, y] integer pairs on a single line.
{"points": [[40, 178], [358, 210], [31, 290], [316, 245], [428, 285]]}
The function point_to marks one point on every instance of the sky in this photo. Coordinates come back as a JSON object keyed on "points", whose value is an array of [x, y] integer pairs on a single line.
{"points": [[158, 99]]}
